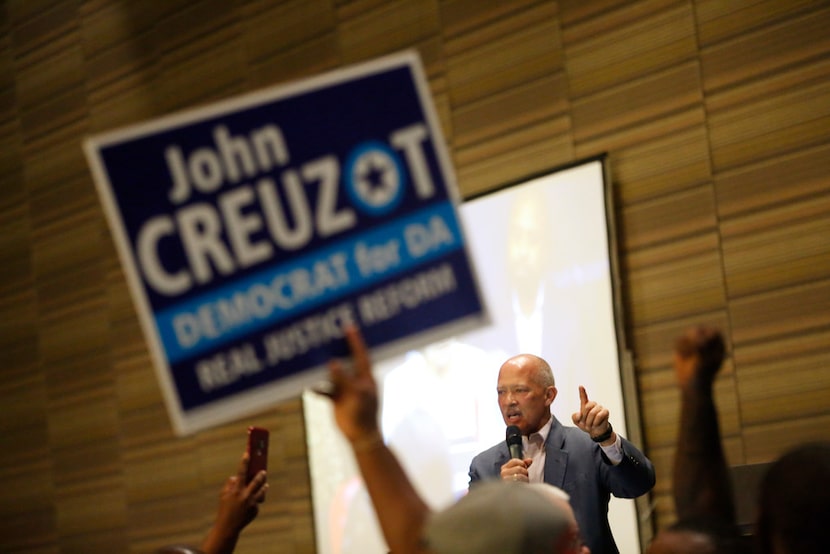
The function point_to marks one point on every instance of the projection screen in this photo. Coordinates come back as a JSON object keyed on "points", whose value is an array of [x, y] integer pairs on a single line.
{"points": [[541, 248]]}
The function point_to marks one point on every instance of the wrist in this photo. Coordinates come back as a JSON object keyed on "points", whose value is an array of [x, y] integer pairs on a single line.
{"points": [[219, 541], [367, 442], [697, 388], [606, 436]]}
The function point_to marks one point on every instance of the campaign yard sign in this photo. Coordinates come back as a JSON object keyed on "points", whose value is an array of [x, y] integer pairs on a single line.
{"points": [[252, 230]]}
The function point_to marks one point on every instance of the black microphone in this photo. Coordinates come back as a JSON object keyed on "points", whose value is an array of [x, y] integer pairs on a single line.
{"points": [[514, 441]]}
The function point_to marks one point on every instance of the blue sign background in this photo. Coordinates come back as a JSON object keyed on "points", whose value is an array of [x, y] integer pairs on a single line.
{"points": [[343, 120], [331, 120]]}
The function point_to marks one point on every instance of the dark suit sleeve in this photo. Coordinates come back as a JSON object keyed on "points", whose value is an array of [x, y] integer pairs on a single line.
{"points": [[485, 466], [474, 474], [632, 477]]}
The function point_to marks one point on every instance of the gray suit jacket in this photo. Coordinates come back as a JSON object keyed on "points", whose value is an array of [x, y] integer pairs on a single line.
{"points": [[576, 464]]}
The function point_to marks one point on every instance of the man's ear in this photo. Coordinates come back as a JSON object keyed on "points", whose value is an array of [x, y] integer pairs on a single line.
{"points": [[550, 395]]}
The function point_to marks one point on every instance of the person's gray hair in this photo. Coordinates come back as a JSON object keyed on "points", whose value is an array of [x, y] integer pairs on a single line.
{"points": [[543, 374], [495, 516]]}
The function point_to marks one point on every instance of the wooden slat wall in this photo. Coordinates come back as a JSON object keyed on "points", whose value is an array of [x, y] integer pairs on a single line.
{"points": [[716, 119]]}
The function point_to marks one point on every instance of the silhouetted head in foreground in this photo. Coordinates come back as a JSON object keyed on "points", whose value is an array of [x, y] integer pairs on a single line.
{"points": [[508, 518], [794, 505]]}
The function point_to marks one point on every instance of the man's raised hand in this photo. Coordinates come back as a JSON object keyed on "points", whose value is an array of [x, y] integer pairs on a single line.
{"points": [[354, 391], [591, 417]]}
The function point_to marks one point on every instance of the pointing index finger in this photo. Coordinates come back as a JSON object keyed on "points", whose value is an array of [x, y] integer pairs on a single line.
{"points": [[357, 347], [583, 396]]}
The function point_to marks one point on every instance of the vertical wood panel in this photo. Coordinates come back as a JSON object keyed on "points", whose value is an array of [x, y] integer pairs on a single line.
{"points": [[645, 99], [653, 167], [775, 48], [603, 53], [767, 125], [783, 312], [784, 379], [777, 247], [496, 58], [770, 182], [719, 20], [669, 218], [509, 66]]}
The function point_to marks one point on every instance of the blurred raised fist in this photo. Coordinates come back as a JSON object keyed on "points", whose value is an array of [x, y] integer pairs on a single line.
{"points": [[698, 355]]}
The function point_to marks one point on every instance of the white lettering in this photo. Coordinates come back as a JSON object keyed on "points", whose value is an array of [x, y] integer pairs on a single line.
{"points": [[233, 149], [176, 165], [409, 140], [421, 239], [261, 301], [278, 223], [409, 293], [186, 327], [241, 226], [329, 220], [377, 258], [205, 170], [199, 228], [270, 149], [147, 242], [306, 334], [227, 367], [228, 159]]}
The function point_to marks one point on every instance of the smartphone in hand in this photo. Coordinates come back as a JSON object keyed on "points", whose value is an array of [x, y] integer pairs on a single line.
{"points": [[257, 452]]}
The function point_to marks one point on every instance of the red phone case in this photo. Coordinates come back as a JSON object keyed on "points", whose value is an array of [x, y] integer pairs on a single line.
{"points": [[257, 451]]}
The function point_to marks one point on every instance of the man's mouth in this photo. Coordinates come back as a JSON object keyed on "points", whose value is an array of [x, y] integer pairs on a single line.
{"points": [[513, 416]]}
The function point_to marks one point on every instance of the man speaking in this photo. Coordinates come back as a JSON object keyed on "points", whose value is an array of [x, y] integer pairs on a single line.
{"points": [[590, 461]]}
